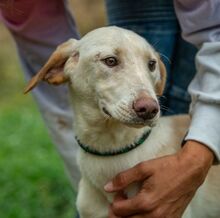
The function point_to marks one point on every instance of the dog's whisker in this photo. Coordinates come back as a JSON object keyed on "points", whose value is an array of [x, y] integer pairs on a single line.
{"points": [[122, 114], [156, 43], [163, 55], [162, 96], [124, 109], [167, 109]]}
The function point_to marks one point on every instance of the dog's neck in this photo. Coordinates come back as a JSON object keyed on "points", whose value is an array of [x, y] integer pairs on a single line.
{"points": [[100, 133]]}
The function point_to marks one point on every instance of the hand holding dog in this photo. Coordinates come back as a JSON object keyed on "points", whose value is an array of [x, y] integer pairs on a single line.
{"points": [[169, 184]]}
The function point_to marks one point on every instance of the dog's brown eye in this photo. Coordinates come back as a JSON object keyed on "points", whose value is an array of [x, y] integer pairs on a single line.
{"points": [[111, 61], [152, 65]]}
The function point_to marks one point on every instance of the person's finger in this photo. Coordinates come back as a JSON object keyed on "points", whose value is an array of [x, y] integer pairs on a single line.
{"points": [[138, 204], [140, 216], [119, 196], [145, 215], [110, 213], [134, 174]]}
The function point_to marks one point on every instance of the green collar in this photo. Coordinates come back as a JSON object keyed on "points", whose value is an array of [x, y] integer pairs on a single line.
{"points": [[123, 150]]}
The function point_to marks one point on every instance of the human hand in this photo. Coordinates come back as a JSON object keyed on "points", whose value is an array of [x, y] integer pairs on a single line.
{"points": [[168, 184]]}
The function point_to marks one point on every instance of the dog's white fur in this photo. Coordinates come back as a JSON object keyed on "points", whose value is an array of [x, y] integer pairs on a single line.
{"points": [[95, 86]]}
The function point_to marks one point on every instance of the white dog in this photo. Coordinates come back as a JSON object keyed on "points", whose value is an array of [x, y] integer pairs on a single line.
{"points": [[115, 77]]}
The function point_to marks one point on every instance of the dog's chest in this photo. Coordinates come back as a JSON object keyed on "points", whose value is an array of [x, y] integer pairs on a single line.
{"points": [[99, 170]]}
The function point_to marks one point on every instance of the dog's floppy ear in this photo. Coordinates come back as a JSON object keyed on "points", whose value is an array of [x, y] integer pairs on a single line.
{"points": [[161, 83], [53, 71]]}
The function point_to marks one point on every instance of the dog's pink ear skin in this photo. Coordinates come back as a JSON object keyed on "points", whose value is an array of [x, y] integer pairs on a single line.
{"points": [[53, 71], [161, 84]]}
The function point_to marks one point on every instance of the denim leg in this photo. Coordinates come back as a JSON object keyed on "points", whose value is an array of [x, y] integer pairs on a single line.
{"points": [[156, 21], [183, 70]]}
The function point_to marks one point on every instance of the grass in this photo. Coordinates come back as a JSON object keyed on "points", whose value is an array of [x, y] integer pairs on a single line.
{"points": [[32, 179]]}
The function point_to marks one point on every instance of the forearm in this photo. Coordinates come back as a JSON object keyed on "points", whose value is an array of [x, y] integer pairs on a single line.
{"points": [[200, 25]]}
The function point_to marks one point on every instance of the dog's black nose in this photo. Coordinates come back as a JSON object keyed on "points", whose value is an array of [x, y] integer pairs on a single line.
{"points": [[146, 107]]}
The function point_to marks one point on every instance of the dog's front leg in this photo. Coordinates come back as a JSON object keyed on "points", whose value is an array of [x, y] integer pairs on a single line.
{"points": [[91, 203]]}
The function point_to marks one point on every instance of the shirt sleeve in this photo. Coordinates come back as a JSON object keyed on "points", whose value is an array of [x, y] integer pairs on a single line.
{"points": [[200, 24]]}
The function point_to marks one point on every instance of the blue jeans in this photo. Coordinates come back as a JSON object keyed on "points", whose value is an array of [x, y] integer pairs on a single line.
{"points": [[156, 21]]}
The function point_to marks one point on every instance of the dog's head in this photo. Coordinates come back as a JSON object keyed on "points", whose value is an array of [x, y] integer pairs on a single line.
{"points": [[112, 69]]}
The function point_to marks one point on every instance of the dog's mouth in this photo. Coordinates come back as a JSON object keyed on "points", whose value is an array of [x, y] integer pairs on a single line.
{"points": [[133, 121], [106, 112], [140, 124]]}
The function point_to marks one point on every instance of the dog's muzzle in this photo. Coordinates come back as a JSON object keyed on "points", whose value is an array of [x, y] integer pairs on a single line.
{"points": [[146, 108]]}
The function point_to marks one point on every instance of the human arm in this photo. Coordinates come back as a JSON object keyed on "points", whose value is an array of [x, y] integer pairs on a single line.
{"points": [[168, 184], [200, 24]]}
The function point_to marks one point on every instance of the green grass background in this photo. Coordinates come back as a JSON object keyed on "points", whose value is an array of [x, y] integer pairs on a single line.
{"points": [[33, 183], [32, 179]]}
